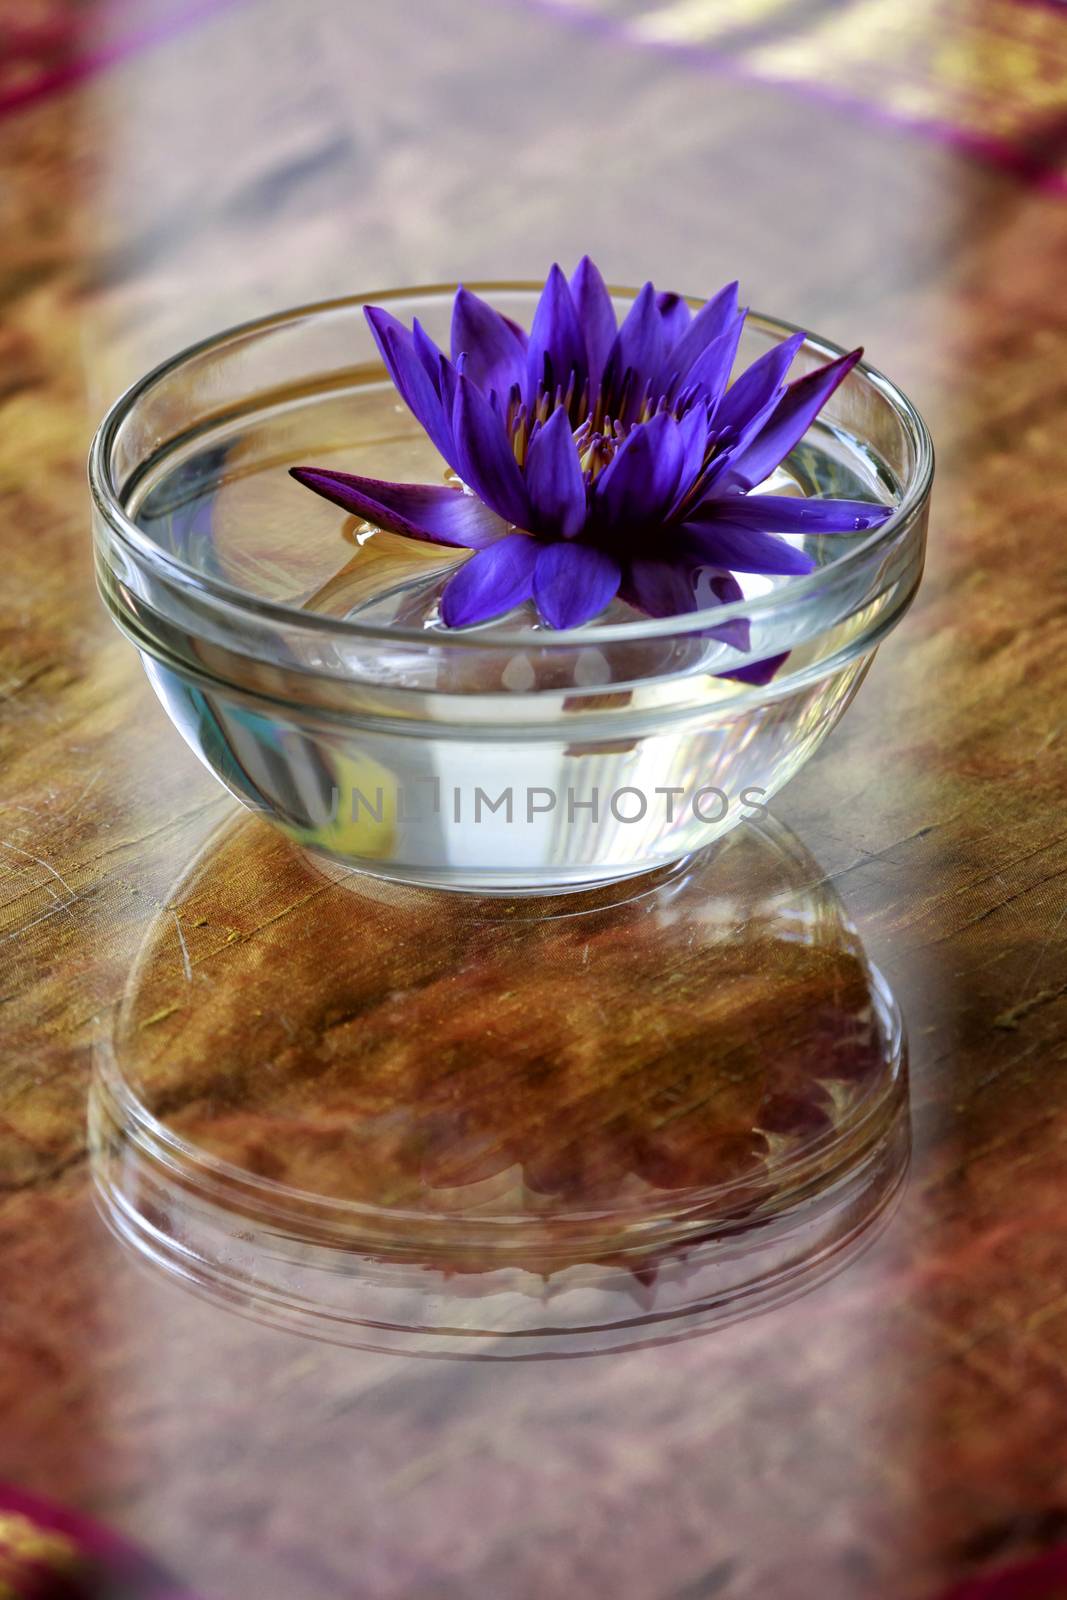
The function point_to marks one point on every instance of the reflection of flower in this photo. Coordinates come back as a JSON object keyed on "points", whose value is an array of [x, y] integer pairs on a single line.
{"points": [[601, 460]]}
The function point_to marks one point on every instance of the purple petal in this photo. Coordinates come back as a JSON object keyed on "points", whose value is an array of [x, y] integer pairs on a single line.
{"points": [[723, 588], [518, 330], [712, 320], [780, 513], [427, 352], [641, 482], [674, 589], [660, 588], [758, 385], [693, 432], [380, 323], [574, 582], [423, 396], [554, 480], [486, 460], [640, 345], [494, 580], [666, 589], [404, 364], [723, 544], [447, 383], [557, 343], [432, 512], [695, 435], [786, 426], [711, 369], [758, 672], [597, 317], [730, 423], [675, 316], [496, 359]]}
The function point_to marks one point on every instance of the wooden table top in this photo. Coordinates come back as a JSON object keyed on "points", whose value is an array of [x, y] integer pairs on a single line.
{"points": [[898, 1429]]}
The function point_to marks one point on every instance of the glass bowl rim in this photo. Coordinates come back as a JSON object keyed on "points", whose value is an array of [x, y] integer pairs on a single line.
{"points": [[107, 502]]}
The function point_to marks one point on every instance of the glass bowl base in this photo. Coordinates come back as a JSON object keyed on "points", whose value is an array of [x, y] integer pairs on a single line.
{"points": [[497, 885]]}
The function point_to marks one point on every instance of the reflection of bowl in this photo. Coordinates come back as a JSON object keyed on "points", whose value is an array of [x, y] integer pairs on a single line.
{"points": [[363, 1112], [293, 654]]}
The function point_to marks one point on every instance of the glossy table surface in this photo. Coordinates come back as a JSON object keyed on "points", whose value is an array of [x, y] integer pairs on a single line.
{"points": [[899, 1428]]}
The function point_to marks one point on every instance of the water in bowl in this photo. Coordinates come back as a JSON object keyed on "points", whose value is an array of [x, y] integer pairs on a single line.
{"points": [[227, 508], [515, 771]]}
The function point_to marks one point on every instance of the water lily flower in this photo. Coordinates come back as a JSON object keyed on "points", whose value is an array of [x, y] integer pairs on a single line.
{"points": [[600, 460]]}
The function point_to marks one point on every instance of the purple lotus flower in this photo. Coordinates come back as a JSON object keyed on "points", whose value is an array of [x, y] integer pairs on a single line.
{"points": [[600, 460]]}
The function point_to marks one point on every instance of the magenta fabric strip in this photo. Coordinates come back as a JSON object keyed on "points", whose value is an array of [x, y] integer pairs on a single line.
{"points": [[1043, 1578], [34, 1565], [67, 74], [1024, 163]]}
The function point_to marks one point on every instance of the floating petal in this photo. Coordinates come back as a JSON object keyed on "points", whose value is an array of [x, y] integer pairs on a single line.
{"points": [[758, 672], [493, 581], [721, 587], [724, 544], [661, 588], [432, 512], [574, 582], [782, 513]]}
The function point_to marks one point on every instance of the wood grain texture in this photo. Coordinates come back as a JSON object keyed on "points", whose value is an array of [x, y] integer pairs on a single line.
{"points": [[900, 1427]]}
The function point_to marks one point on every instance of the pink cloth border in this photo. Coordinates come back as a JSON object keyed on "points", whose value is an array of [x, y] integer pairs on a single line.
{"points": [[998, 152], [70, 73]]}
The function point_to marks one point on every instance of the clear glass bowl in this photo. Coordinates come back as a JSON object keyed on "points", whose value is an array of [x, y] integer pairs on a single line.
{"points": [[295, 652]]}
